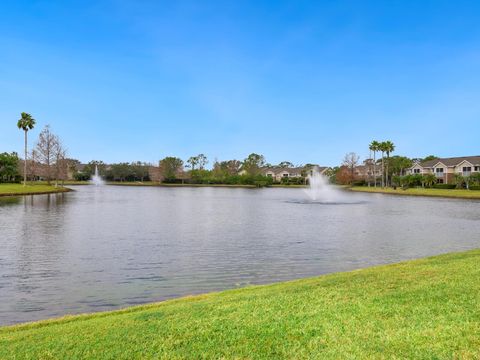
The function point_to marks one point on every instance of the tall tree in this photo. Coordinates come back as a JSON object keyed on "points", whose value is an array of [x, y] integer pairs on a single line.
{"points": [[398, 164], [192, 162], [374, 147], [202, 161], [285, 164], [253, 163], [382, 148], [429, 157], [170, 166], [89, 169], [26, 123], [389, 148], [61, 164], [350, 161], [8, 167], [47, 147]]}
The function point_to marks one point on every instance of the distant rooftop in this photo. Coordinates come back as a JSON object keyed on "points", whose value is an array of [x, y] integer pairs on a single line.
{"points": [[453, 161]]}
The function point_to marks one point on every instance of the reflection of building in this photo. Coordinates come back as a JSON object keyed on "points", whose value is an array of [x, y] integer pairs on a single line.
{"points": [[446, 168], [278, 173]]}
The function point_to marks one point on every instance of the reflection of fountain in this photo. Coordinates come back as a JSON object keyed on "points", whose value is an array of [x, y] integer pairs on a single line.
{"points": [[96, 178], [320, 190]]}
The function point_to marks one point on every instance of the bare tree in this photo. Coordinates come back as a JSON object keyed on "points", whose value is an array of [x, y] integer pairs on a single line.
{"points": [[61, 163], [33, 168], [46, 150], [350, 161]]}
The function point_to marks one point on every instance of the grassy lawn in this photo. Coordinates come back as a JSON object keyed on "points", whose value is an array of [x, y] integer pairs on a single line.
{"points": [[19, 189], [67, 182], [151, 183], [453, 193], [422, 309]]}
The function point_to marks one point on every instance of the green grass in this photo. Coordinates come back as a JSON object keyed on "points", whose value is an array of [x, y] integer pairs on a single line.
{"points": [[151, 183], [422, 309], [449, 193], [67, 182], [19, 189]]}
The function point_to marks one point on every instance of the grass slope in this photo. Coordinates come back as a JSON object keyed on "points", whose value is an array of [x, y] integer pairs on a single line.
{"points": [[19, 189], [449, 193], [423, 309], [151, 183]]}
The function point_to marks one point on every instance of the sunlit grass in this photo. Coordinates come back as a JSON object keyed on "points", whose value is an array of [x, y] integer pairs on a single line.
{"points": [[422, 309], [453, 193], [19, 189]]}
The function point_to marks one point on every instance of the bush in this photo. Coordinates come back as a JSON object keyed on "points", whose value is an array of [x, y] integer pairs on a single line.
{"points": [[359, 183], [80, 176], [474, 187], [292, 181], [444, 186]]}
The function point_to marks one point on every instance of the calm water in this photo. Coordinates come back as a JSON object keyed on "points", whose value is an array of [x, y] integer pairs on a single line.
{"points": [[108, 247]]}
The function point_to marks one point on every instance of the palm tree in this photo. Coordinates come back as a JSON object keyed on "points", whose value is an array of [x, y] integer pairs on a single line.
{"points": [[383, 148], [374, 146], [26, 122], [389, 148]]}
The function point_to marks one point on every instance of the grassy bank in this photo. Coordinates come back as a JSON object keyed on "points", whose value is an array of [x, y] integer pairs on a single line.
{"points": [[149, 183], [425, 309], [19, 189], [448, 193]]}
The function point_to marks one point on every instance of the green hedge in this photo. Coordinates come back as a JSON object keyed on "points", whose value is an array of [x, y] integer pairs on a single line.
{"points": [[474, 187], [444, 186]]}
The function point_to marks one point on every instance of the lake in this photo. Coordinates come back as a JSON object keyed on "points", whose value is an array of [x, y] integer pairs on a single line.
{"points": [[107, 247]]}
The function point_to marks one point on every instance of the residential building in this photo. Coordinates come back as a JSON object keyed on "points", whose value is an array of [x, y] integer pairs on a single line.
{"points": [[277, 173], [445, 169]]}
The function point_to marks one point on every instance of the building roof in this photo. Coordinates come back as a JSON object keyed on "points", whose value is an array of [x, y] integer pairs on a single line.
{"points": [[278, 170], [295, 170], [453, 161]]}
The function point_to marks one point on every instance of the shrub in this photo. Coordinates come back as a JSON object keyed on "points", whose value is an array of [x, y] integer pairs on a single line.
{"points": [[475, 187], [359, 183], [444, 186], [292, 181], [80, 176]]}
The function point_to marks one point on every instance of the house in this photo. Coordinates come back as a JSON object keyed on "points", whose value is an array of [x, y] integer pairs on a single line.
{"points": [[278, 173], [365, 172], [445, 169]]}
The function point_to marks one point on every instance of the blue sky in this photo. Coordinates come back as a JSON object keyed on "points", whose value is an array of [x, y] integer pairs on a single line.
{"points": [[305, 81]]}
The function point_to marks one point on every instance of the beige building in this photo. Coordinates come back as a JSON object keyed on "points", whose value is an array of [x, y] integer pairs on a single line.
{"points": [[278, 173], [445, 169], [365, 172]]}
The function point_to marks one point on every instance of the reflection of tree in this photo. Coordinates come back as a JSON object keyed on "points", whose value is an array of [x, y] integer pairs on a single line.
{"points": [[10, 200]]}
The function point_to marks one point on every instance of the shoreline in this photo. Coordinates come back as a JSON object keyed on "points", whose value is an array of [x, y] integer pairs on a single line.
{"points": [[369, 301], [461, 194], [139, 307], [152, 184], [58, 190]]}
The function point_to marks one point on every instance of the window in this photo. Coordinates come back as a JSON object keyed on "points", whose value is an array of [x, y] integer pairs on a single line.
{"points": [[416, 171], [439, 170], [269, 175], [285, 175], [467, 168], [439, 181], [477, 168]]}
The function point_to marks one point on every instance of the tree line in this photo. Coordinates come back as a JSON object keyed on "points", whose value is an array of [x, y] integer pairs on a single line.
{"points": [[47, 160]]}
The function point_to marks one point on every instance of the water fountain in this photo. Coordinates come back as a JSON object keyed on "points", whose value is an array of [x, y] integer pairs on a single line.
{"points": [[320, 190], [96, 178]]}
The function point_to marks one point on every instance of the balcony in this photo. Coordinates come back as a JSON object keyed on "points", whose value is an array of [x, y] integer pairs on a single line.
{"points": [[439, 174], [466, 173]]}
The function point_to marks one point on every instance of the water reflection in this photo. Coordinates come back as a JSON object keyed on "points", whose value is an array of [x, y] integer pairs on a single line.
{"points": [[103, 248]]}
